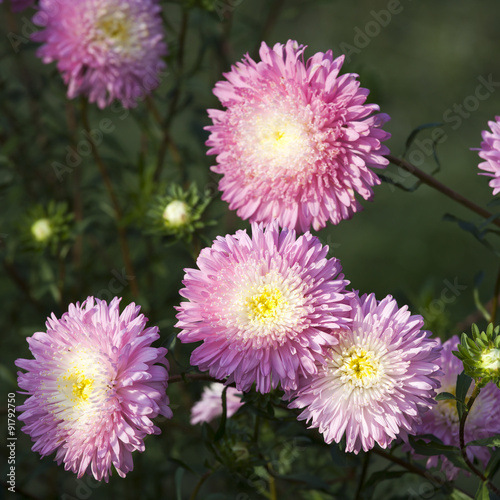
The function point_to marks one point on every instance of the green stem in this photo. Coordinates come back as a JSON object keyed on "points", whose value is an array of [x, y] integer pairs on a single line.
{"points": [[414, 469], [184, 377], [364, 470], [463, 419], [494, 305], [434, 183], [199, 484], [114, 200]]}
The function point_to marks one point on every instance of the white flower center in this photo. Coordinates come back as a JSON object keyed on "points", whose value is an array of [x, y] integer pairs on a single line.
{"points": [[117, 30], [264, 309], [41, 229], [275, 140], [176, 213], [362, 365], [81, 386]]}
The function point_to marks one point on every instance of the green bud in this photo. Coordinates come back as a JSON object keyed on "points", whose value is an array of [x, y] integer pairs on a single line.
{"points": [[481, 355]]}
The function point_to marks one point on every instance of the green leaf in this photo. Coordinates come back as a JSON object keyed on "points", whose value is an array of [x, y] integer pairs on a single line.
{"points": [[491, 441], [463, 384], [222, 426], [493, 464], [179, 473], [444, 395], [436, 447], [459, 495], [482, 492]]}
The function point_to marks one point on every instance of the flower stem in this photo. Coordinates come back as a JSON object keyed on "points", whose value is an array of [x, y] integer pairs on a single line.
{"points": [[431, 181], [494, 304], [364, 470], [114, 200], [463, 419], [184, 377]]}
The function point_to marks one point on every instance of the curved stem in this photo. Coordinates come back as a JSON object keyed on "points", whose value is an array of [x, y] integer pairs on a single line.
{"points": [[472, 467], [431, 181], [114, 200]]}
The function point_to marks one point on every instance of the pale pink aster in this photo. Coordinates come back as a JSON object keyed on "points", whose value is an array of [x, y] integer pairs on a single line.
{"points": [[376, 382], [490, 151], [94, 384], [105, 49], [296, 142], [442, 421], [19, 5], [210, 404], [263, 306]]}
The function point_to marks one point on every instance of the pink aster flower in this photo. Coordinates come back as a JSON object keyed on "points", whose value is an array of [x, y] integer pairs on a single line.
{"points": [[94, 387], [263, 306], [296, 141], [442, 421], [376, 382], [210, 404], [105, 49], [490, 151], [19, 5]]}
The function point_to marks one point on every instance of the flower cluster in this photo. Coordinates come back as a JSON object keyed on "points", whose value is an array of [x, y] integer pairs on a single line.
{"points": [[272, 310], [94, 385]]}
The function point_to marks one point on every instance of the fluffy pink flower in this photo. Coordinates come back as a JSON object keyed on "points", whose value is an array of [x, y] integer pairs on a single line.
{"points": [[210, 404], [19, 5], [263, 306], [442, 421], [105, 49], [94, 387], [296, 141], [490, 151], [376, 382]]}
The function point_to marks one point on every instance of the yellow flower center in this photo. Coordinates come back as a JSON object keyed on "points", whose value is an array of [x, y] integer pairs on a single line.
{"points": [[115, 26], [266, 305], [360, 367], [76, 386]]}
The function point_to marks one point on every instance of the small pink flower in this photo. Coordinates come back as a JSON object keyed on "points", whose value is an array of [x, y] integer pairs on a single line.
{"points": [[210, 404], [264, 307], [296, 141], [490, 151], [94, 385]]}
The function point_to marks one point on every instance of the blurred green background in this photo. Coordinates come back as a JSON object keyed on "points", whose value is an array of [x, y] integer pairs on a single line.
{"points": [[427, 59]]}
